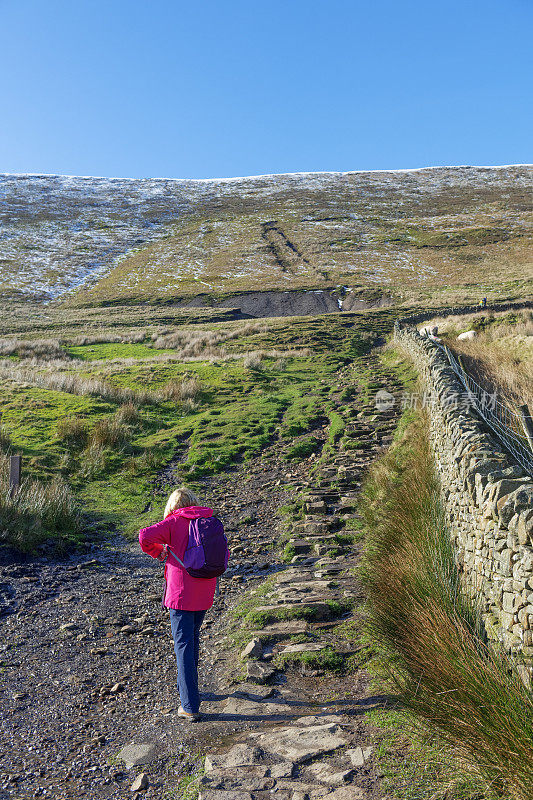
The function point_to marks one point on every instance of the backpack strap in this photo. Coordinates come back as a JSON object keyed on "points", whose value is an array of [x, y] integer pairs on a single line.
{"points": [[175, 556]]}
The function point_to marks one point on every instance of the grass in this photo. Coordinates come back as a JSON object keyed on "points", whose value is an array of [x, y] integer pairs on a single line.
{"points": [[327, 660], [303, 448], [501, 356], [219, 413], [303, 415], [37, 511], [428, 632], [417, 765]]}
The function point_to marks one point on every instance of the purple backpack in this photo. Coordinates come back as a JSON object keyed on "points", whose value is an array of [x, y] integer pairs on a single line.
{"points": [[206, 554]]}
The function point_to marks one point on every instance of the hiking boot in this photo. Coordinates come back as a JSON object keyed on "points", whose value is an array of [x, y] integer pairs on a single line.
{"points": [[185, 715]]}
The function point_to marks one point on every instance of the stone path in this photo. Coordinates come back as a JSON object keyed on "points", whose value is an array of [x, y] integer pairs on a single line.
{"points": [[88, 668], [304, 737]]}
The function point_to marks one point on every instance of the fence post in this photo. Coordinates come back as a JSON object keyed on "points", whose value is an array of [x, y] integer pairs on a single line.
{"points": [[15, 469], [527, 423]]}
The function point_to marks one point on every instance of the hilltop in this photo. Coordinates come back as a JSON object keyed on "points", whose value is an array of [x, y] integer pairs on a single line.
{"points": [[443, 233]]}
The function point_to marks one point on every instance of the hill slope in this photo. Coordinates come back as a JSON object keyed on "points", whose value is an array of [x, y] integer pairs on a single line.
{"points": [[410, 233]]}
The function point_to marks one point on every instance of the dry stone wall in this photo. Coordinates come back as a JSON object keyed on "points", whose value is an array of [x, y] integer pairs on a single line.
{"points": [[488, 500]]}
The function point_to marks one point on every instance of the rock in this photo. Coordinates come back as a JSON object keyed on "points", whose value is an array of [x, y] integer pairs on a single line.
{"points": [[127, 630], [253, 649], [301, 744], [298, 788], [218, 794], [315, 720], [240, 755], [259, 673], [300, 546], [359, 755], [282, 770], [116, 688], [136, 754], [251, 778], [141, 782], [327, 773], [223, 777], [321, 610], [249, 708], [281, 630], [306, 647]]}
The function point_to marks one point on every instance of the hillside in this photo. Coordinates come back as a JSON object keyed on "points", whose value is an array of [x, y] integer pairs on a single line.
{"points": [[450, 232], [129, 365]]}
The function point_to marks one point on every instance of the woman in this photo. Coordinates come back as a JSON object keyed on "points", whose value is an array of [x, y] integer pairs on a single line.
{"points": [[187, 598]]}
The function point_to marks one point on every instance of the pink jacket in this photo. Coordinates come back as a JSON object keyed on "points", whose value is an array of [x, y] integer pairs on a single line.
{"points": [[182, 591]]}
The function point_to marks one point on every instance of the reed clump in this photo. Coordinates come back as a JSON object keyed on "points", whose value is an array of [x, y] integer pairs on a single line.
{"points": [[428, 631], [36, 511]]}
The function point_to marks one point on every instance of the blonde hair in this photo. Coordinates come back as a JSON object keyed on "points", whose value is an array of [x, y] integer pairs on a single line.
{"points": [[180, 498]]}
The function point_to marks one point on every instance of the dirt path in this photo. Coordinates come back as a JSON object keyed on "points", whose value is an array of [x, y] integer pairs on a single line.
{"points": [[87, 665]]}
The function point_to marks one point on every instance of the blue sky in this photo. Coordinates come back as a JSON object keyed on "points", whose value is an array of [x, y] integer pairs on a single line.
{"points": [[165, 88]]}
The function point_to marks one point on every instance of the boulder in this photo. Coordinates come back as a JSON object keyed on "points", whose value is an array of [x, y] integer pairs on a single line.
{"points": [[258, 672], [143, 753], [140, 783], [253, 649]]}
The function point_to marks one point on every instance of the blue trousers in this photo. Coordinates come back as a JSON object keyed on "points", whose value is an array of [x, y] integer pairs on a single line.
{"points": [[185, 627]]}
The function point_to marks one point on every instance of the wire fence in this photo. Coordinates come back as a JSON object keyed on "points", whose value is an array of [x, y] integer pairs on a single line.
{"points": [[505, 422]]}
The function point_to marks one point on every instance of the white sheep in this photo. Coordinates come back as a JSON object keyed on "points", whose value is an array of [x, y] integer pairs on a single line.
{"points": [[467, 336]]}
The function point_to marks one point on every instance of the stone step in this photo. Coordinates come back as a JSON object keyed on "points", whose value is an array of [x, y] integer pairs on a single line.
{"points": [[319, 608]]}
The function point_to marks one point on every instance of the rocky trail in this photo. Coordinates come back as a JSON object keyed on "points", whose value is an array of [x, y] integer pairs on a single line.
{"points": [[87, 669]]}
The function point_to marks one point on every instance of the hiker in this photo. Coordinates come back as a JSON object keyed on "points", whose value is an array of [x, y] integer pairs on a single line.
{"points": [[190, 539]]}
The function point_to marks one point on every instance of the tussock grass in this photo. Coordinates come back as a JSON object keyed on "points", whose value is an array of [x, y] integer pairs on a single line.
{"points": [[500, 358], [204, 342], [71, 383], [109, 432], [128, 414], [39, 349], [188, 388], [497, 368], [303, 448], [253, 360], [36, 512], [134, 337], [93, 461], [73, 432], [428, 631], [5, 440]]}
